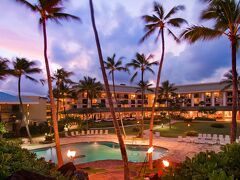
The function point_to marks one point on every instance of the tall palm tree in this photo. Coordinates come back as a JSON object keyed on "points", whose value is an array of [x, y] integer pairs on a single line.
{"points": [[160, 21], [92, 87], [111, 65], [23, 67], [143, 86], [50, 10], [166, 93], [144, 64], [225, 17], [4, 69], [110, 101], [63, 82]]}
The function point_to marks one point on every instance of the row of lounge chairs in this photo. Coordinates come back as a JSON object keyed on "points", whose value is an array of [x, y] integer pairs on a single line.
{"points": [[206, 139], [88, 132]]}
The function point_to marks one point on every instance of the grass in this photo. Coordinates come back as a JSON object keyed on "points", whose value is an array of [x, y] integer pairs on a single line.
{"points": [[128, 130], [180, 129]]}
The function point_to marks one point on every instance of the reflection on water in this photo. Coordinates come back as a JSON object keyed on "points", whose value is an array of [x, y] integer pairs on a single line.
{"points": [[93, 151]]}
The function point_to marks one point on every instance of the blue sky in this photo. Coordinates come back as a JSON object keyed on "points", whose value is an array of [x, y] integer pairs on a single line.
{"points": [[72, 45]]}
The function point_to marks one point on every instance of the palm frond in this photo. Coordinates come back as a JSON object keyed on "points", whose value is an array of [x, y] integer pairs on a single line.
{"points": [[173, 35], [177, 22], [147, 35], [133, 77], [27, 4], [195, 33], [174, 10]]}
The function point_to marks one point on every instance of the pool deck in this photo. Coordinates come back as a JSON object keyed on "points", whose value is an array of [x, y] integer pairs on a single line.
{"points": [[177, 151]]}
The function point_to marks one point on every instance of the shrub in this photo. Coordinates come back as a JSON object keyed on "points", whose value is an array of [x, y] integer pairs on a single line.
{"points": [[209, 165], [217, 125], [135, 129], [2, 129], [14, 158], [191, 133], [41, 129], [205, 119]]}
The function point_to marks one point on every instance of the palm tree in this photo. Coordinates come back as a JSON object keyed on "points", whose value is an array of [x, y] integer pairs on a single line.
{"points": [[143, 86], [23, 67], [167, 92], [110, 101], [111, 65], [50, 10], [161, 22], [63, 82], [142, 63], [225, 17], [92, 87], [4, 69], [228, 80]]}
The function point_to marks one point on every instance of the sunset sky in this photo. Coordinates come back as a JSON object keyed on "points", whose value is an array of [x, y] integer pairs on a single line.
{"points": [[72, 45]]}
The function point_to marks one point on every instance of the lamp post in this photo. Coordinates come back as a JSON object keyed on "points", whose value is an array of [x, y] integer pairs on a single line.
{"points": [[71, 155]]}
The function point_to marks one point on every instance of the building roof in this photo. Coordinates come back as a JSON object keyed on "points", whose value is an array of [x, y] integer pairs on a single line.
{"points": [[126, 89], [10, 99]]}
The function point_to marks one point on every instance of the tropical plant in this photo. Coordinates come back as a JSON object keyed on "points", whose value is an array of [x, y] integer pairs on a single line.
{"points": [[4, 69], [2, 129], [225, 17], [90, 86], [63, 82], [113, 65], [50, 10], [109, 97], [14, 158], [24, 68], [161, 22], [228, 80], [209, 165], [143, 86], [144, 64]]}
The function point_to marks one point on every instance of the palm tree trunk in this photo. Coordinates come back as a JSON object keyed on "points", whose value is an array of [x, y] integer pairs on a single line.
{"points": [[116, 126], [23, 116], [142, 120], [114, 92], [235, 93], [53, 107], [58, 100], [155, 100]]}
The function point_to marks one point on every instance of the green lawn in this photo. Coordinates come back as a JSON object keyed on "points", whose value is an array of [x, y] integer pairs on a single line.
{"points": [[128, 130], [180, 128]]}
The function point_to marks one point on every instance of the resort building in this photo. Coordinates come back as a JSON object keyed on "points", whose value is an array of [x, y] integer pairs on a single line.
{"points": [[192, 99], [34, 107]]}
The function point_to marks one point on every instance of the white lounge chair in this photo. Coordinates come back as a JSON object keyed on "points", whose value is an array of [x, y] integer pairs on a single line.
{"points": [[92, 131], [88, 132], [215, 137], [227, 140], [157, 134], [77, 133], [222, 141], [96, 131], [66, 134], [106, 131], [180, 139], [204, 136], [212, 142], [220, 136], [199, 136], [101, 132], [187, 139], [227, 137], [209, 136], [72, 133], [83, 133], [202, 141]]}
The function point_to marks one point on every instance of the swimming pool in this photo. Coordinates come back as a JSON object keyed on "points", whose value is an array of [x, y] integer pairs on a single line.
{"points": [[94, 151]]}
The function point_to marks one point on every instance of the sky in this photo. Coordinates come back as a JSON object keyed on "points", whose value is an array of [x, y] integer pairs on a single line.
{"points": [[71, 45]]}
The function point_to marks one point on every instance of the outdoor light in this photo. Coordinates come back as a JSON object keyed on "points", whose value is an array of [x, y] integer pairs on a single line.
{"points": [[189, 125], [165, 163], [150, 150], [71, 154]]}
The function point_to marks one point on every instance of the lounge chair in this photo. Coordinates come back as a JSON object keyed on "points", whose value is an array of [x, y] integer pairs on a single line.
{"points": [[83, 133], [88, 132], [96, 131], [157, 134], [66, 134], [187, 139], [215, 137], [77, 133], [227, 140], [204, 136], [227, 137], [209, 136], [180, 139], [212, 142], [101, 132], [92, 131], [106, 131], [72, 133], [199, 136], [222, 142], [220, 136]]}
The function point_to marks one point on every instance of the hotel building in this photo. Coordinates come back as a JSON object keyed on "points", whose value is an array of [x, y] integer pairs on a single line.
{"points": [[196, 96]]}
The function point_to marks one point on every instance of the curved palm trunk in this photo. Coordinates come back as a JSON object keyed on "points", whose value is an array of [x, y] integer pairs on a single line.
{"points": [[116, 126], [23, 116], [58, 94], [155, 100], [142, 120], [235, 93], [53, 107], [114, 92]]}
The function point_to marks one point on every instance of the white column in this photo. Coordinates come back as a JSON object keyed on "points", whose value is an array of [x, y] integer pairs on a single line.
{"points": [[192, 100], [202, 97], [212, 99], [224, 99]]}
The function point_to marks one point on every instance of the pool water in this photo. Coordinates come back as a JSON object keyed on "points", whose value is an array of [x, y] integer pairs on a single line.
{"points": [[94, 151]]}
